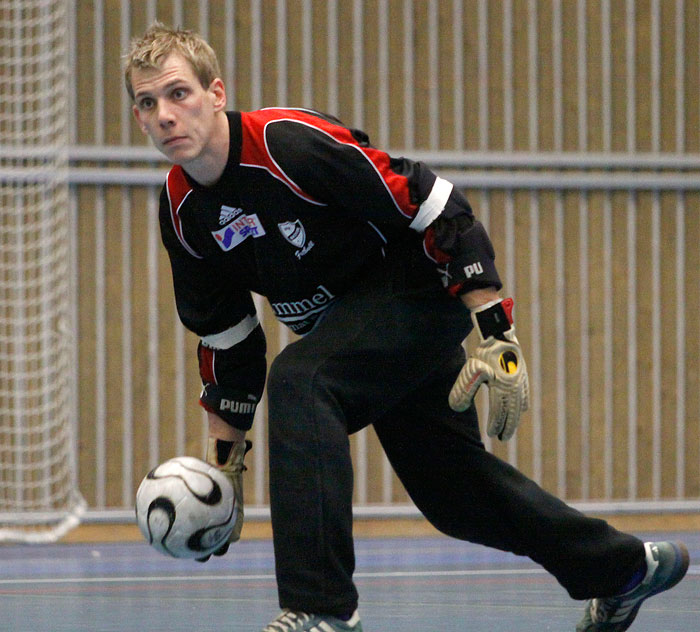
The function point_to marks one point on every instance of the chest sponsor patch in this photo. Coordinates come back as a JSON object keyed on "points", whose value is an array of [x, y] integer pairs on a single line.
{"points": [[238, 231]]}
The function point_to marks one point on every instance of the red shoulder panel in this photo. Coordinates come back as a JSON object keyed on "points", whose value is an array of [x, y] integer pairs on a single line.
{"points": [[255, 152]]}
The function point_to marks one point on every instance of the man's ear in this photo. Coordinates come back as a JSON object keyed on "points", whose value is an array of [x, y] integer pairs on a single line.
{"points": [[218, 92], [137, 116]]}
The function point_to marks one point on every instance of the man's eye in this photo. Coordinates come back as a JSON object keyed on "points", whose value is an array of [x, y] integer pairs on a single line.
{"points": [[146, 104], [179, 93]]}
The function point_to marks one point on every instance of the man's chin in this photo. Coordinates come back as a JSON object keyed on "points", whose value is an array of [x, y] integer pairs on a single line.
{"points": [[175, 153]]}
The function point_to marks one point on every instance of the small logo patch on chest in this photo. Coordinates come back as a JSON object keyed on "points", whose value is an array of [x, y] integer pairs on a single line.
{"points": [[238, 231], [228, 213], [295, 234]]}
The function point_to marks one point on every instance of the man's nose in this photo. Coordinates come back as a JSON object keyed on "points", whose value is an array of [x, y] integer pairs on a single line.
{"points": [[165, 115]]}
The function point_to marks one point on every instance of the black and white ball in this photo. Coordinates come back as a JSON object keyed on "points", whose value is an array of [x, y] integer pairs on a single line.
{"points": [[186, 508]]}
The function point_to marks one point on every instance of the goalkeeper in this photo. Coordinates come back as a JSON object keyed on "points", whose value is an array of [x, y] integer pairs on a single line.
{"points": [[382, 269]]}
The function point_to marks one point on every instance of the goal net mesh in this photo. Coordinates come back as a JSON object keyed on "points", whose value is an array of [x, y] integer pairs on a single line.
{"points": [[39, 501]]}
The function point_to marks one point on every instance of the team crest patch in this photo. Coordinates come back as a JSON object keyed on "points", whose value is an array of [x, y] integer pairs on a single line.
{"points": [[295, 234], [238, 230]]}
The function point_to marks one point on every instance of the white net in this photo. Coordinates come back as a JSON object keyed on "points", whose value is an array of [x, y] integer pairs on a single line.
{"points": [[39, 500]]}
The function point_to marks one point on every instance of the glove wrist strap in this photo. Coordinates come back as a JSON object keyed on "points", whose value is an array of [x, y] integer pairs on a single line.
{"points": [[494, 319], [223, 451]]}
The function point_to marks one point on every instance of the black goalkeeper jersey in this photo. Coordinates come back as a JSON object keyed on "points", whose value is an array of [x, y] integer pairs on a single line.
{"points": [[304, 206]]}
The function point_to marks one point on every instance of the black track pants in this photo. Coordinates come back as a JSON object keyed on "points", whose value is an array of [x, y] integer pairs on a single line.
{"points": [[388, 355]]}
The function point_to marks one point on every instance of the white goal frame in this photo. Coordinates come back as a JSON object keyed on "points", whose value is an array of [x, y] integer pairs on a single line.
{"points": [[39, 499]]}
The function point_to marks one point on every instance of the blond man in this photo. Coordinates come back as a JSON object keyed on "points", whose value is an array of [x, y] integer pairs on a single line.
{"points": [[382, 269]]}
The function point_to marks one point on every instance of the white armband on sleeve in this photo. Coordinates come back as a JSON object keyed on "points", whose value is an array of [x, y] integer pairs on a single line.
{"points": [[432, 206], [233, 335]]}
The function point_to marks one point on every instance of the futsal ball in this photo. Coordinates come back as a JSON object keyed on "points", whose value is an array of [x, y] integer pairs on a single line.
{"points": [[186, 508]]}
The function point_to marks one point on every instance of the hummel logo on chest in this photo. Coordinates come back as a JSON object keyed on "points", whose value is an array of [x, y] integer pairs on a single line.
{"points": [[228, 213]]}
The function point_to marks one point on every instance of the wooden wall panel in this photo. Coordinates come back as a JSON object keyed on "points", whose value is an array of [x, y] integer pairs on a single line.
{"points": [[604, 125]]}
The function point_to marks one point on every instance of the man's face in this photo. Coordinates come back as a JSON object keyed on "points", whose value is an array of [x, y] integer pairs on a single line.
{"points": [[173, 108]]}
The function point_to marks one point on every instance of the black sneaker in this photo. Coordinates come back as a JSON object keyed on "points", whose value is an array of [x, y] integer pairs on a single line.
{"points": [[667, 563]]}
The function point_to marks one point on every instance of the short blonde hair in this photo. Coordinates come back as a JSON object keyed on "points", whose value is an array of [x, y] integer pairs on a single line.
{"points": [[159, 41]]}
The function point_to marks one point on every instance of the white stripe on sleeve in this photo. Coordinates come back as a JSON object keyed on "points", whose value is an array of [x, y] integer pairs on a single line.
{"points": [[233, 335], [432, 206]]}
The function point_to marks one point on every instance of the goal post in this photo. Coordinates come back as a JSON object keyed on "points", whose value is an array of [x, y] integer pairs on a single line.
{"points": [[39, 497]]}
